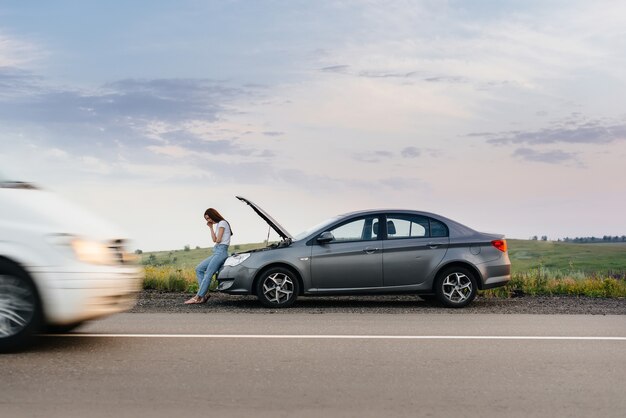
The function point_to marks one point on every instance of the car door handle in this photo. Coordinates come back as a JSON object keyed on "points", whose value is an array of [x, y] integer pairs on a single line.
{"points": [[433, 245], [370, 250]]}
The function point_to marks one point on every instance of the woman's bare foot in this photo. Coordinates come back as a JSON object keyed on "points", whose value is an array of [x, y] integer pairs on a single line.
{"points": [[197, 299]]}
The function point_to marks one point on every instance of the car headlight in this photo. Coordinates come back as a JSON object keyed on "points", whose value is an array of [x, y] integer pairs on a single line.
{"points": [[85, 250], [235, 260], [92, 252]]}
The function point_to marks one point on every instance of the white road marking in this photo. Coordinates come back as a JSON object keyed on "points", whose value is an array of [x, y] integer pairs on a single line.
{"points": [[344, 337]]}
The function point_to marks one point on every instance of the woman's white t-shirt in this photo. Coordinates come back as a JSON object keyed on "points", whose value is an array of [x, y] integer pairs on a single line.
{"points": [[226, 235]]}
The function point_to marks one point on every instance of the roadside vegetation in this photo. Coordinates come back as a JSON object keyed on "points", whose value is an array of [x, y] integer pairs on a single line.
{"points": [[174, 271], [538, 268]]}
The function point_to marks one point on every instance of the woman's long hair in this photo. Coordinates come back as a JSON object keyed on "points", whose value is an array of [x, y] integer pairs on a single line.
{"points": [[216, 217]]}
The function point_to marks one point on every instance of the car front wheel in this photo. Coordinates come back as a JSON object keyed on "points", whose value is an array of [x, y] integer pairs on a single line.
{"points": [[20, 311], [277, 288], [455, 287]]}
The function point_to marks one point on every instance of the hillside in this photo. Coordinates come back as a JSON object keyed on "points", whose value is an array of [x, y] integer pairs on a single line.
{"points": [[567, 257], [190, 258]]}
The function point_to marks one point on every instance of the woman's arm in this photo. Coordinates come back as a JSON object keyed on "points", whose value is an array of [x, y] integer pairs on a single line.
{"points": [[220, 232]]}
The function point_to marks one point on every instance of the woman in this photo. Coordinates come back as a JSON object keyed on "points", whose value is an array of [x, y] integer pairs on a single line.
{"points": [[207, 268]]}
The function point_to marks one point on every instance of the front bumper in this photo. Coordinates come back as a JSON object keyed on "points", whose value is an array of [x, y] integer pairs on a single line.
{"points": [[236, 280], [70, 297]]}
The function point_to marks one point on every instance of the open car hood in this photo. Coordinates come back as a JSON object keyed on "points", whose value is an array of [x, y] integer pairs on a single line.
{"points": [[270, 221]]}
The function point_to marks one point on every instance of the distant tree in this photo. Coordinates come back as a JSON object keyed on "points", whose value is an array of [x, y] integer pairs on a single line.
{"points": [[197, 247], [186, 248], [534, 238], [138, 251], [544, 237]]}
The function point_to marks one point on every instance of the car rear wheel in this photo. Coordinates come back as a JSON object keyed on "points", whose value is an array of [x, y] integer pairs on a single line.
{"points": [[20, 310], [455, 287], [277, 288]]}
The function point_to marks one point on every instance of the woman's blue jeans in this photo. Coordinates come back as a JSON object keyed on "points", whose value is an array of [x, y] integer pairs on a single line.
{"points": [[209, 266]]}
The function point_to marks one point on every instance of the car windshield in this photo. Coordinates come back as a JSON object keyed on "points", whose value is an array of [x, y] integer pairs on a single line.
{"points": [[317, 227]]}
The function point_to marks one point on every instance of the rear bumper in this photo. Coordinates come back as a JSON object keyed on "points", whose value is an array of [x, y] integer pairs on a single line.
{"points": [[75, 297], [496, 276]]}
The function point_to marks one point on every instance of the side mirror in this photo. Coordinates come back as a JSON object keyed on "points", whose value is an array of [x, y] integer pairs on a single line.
{"points": [[325, 237]]}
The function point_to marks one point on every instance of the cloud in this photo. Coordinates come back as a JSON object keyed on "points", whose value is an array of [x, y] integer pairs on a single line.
{"points": [[405, 153], [549, 157], [373, 156], [16, 82], [335, 69], [346, 69], [168, 117], [170, 150], [567, 131], [446, 79], [410, 152], [173, 100], [273, 133], [16, 52], [386, 74]]}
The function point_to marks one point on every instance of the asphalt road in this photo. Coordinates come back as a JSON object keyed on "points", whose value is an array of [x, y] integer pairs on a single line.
{"points": [[368, 365]]}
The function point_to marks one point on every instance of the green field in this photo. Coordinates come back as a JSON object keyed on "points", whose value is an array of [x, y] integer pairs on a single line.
{"points": [[538, 268], [567, 258]]}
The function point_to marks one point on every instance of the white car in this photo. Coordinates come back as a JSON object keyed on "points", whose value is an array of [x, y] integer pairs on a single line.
{"points": [[59, 265]]}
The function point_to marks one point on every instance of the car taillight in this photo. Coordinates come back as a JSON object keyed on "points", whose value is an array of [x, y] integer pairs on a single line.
{"points": [[500, 244]]}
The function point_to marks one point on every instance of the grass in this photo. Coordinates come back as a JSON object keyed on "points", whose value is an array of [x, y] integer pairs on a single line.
{"points": [[589, 259], [538, 268], [547, 283], [170, 279]]}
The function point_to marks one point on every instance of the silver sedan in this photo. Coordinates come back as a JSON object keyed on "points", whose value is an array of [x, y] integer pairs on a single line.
{"points": [[371, 252]]}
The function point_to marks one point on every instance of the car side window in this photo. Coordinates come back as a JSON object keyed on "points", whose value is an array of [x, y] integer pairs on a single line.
{"points": [[363, 229], [438, 229], [406, 226]]}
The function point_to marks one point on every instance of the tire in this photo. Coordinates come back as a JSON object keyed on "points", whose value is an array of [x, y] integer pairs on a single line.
{"points": [[20, 308], [277, 287], [455, 287]]}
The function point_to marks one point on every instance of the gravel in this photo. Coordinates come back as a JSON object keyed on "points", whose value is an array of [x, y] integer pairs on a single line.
{"points": [[155, 301]]}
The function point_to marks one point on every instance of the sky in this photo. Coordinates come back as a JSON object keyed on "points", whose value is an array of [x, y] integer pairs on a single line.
{"points": [[507, 116]]}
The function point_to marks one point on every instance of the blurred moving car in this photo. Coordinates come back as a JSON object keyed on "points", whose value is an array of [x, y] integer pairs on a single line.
{"points": [[59, 265], [371, 252]]}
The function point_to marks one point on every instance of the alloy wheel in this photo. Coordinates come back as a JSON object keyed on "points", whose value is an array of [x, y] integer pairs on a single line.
{"points": [[17, 305], [278, 288], [457, 287]]}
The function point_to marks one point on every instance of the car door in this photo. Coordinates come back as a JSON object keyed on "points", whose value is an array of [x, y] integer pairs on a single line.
{"points": [[353, 259], [413, 248]]}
